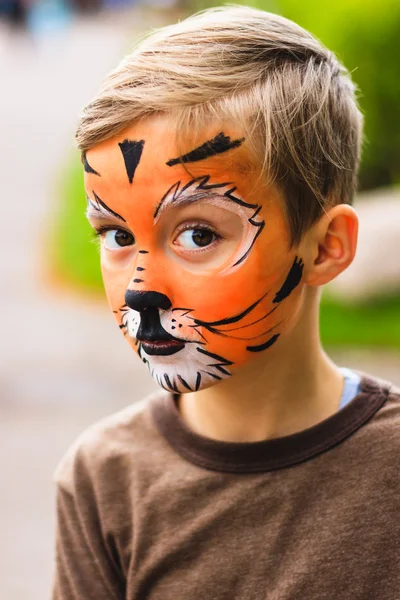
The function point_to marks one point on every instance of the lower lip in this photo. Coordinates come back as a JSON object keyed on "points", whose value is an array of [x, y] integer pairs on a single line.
{"points": [[162, 348]]}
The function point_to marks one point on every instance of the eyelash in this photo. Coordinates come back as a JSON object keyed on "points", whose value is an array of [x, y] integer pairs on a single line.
{"points": [[197, 225], [98, 231], [204, 226]]}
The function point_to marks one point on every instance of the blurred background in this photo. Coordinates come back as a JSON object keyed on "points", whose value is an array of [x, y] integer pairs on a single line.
{"points": [[63, 361]]}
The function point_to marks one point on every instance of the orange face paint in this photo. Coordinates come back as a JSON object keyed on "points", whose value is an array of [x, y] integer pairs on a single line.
{"points": [[196, 265]]}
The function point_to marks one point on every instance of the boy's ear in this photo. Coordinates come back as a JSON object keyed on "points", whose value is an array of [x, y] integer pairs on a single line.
{"points": [[333, 241]]}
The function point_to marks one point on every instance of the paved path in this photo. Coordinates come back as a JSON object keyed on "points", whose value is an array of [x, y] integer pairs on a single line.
{"points": [[63, 362]]}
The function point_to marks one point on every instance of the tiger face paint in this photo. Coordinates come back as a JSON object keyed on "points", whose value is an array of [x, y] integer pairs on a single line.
{"points": [[197, 267]]}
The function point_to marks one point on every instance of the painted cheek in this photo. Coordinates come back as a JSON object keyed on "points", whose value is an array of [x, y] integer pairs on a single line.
{"points": [[215, 296], [116, 279]]}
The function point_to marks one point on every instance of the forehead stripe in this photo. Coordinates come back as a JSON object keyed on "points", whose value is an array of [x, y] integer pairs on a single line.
{"points": [[100, 202], [221, 143], [132, 152]]}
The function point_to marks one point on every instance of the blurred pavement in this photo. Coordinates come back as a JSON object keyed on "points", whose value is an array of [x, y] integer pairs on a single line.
{"points": [[63, 361]]}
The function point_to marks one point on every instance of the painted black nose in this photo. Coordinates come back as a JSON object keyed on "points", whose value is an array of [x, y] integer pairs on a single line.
{"points": [[141, 301]]}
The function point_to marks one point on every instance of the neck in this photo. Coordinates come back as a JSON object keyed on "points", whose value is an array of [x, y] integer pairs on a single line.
{"points": [[286, 391]]}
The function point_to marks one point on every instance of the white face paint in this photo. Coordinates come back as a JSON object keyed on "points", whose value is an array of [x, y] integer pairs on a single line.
{"points": [[190, 368], [226, 197]]}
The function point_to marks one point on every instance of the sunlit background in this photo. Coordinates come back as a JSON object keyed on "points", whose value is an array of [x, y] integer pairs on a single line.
{"points": [[64, 363]]}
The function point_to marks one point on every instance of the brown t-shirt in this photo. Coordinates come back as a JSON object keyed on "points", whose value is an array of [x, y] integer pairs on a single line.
{"points": [[147, 509]]}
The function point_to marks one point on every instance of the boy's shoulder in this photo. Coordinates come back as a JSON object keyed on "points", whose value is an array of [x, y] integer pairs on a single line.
{"points": [[132, 439], [110, 444]]}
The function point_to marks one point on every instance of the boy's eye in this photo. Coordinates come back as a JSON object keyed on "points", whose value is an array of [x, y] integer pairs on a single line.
{"points": [[195, 238], [117, 238]]}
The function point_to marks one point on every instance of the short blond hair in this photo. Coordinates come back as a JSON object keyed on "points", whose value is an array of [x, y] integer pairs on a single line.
{"points": [[290, 95]]}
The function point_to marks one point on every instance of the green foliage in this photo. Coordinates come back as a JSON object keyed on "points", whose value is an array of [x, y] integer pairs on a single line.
{"points": [[365, 35], [374, 323], [75, 250]]}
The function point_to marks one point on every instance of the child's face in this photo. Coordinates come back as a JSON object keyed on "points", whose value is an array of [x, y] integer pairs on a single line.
{"points": [[197, 268]]}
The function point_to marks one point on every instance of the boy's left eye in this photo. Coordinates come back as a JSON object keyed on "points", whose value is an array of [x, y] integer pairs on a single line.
{"points": [[117, 238], [195, 238]]}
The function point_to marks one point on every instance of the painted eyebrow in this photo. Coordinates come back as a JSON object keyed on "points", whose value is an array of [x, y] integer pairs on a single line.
{"points": [[101, 207], [217, 145], [178, 196], [185, 200]]}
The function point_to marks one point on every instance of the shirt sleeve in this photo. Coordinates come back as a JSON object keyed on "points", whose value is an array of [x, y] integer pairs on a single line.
{"points": [[86, 568]]}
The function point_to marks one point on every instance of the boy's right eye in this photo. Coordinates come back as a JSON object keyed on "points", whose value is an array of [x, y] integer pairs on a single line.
{"points": [[116, 238]]}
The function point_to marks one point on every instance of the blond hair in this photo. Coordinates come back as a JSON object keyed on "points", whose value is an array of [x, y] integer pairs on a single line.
{"points": [[259, 71]]}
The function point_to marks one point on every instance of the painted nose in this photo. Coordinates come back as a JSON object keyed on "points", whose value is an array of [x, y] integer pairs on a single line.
{"points": [[141, 301]]}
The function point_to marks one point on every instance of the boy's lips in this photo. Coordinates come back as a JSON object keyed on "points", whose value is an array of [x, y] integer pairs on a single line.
{"points": [[162, 347]]}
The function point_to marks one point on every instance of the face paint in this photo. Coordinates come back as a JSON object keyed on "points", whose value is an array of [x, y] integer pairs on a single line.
{"points": [[197, 267], [220, 143], [131, 151]]}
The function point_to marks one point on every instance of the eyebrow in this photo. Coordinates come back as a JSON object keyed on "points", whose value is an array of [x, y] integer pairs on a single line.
{"points": [[217, 145], [178, 196], [101, 207], [185, 200]]}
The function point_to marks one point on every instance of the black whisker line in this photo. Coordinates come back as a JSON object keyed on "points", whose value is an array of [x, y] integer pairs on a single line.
{"points": [[170, 384], [213, 375], [196, 328], [221, 359], [187, 386], [229, 320], [264, 346], [254, 337], [252, 323], [220, 368], [198, 381]]}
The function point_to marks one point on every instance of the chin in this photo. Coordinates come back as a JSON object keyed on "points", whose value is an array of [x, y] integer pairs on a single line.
{"points": [[190, 369]]}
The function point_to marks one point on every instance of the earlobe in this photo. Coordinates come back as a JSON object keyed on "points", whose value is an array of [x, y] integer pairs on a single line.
{"points": [[335, 244]]}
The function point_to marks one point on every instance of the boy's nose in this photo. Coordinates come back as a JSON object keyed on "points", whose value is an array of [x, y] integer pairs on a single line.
{"points": [[141, 301]]}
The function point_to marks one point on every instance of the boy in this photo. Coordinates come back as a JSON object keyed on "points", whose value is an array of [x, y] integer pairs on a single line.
{"points": [[220, 161]]}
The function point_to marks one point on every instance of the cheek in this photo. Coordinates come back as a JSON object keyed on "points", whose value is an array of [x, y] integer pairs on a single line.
{"points": [[215, 296], [256, 332], [116, 278]]}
